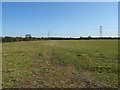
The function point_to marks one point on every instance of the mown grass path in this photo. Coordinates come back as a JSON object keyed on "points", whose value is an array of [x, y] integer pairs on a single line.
{"points": [[64, 63]]}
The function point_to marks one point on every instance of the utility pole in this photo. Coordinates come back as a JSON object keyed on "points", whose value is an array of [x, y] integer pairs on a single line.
{"points": [[100, 31], [48, 34]]}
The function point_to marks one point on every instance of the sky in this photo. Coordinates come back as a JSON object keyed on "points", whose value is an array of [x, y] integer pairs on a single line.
{"points": [[60, 19], [0, 19]]}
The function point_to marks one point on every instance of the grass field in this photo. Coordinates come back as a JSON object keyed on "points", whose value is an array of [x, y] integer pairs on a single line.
{"points": [[64, 63]]}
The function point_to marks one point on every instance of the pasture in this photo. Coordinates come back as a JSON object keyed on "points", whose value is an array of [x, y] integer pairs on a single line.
{"points": [[61, 64]]}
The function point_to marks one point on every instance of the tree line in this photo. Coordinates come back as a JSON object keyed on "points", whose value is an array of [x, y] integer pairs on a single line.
{"points": [[16, 39], [29, 38]]}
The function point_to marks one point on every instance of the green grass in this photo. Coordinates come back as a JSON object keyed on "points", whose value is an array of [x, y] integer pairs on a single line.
{"points": [[65, 63]]}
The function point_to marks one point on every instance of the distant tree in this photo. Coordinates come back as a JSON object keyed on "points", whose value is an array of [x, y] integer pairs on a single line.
{"points": [[28, 37], [89, 37], [8, 39], [16, 39], [80, 37]]}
